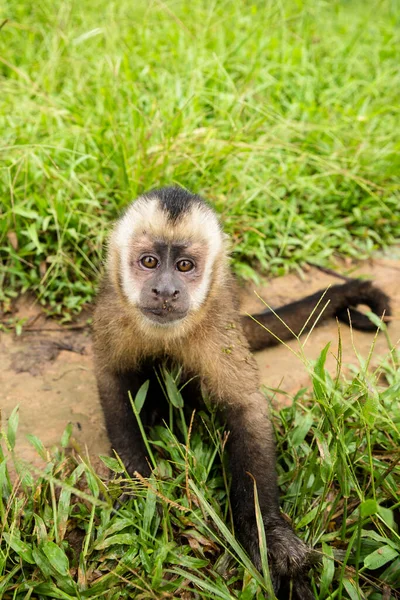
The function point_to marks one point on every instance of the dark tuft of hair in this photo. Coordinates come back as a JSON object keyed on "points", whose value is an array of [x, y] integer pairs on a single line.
{"points": [[175, 201]]}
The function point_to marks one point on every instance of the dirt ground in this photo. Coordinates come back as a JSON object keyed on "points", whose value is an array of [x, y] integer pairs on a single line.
{"points": [[48, 370]]}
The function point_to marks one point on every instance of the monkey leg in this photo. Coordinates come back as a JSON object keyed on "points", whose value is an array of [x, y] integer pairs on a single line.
{"points": [[121, 423], [251, 451]]}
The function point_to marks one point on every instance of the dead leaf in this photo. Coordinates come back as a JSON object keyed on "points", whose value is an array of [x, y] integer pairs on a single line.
{"points": [[12, 238], [42, 268]]}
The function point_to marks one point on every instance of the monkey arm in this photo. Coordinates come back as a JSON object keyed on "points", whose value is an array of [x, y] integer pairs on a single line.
{"points": [[122, 427], [292, 318], [232, 382], [252, 454]]}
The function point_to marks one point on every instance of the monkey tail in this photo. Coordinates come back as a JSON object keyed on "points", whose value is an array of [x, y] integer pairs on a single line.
{"points": [[372, 297], [340, 301]]}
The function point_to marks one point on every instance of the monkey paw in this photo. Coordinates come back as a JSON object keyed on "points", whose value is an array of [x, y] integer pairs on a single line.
{"points": [[289, 561]]}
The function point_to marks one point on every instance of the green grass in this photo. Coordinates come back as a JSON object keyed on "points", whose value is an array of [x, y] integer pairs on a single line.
{"points": [[339, 475], [283, 114]]}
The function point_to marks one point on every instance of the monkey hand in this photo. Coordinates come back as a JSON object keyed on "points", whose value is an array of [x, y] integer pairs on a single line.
{"points": [[289, 560]]}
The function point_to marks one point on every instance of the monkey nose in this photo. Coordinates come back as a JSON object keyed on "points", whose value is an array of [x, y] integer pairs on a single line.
{"points": [[165, 294]]}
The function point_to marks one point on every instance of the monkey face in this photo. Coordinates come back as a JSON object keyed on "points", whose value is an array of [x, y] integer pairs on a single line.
{"points": [[163, 254], [166, 275]]}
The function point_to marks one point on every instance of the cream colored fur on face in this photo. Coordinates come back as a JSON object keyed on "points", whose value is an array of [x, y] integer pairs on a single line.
{"points": [[146, 216]]}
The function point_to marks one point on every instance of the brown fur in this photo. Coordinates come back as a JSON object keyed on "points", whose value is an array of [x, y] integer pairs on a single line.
{"points": [[212, 344]]}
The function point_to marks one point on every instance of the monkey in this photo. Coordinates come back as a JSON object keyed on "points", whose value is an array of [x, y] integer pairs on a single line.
{"points": [[168, 294]]}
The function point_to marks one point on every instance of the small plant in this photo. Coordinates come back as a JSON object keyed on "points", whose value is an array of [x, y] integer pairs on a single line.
{"points": [[63, 535]]}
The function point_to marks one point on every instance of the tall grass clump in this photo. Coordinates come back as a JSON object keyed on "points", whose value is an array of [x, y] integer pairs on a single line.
{"points": [[283, 114], [63, 536]]}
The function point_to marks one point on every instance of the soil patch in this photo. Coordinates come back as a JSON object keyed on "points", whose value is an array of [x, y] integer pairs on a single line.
{"points": [[48, 371]]}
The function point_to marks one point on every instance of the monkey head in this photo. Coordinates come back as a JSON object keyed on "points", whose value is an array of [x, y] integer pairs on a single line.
{"points": [[164, 250]]}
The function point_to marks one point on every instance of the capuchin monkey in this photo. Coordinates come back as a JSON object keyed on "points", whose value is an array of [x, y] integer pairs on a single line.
{"points": [[168, 294]]}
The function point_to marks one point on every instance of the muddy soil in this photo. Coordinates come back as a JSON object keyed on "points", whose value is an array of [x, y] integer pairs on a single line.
{"points": [[48, 370]]}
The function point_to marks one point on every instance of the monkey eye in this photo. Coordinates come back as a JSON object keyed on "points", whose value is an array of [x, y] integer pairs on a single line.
{"points": [[149, 262], [184, 265]]}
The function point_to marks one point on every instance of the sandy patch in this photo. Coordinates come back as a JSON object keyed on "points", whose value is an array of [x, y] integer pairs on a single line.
{"points": [[48, 371]]}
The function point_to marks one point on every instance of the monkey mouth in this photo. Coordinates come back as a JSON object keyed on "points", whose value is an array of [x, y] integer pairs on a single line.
{"points": [[162, 315]]}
